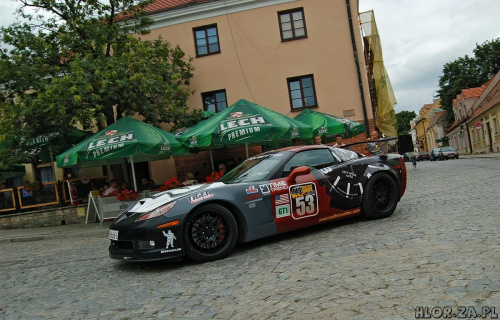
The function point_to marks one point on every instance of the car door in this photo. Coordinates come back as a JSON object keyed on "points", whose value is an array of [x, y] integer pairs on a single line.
{"points": [[302, 201]]}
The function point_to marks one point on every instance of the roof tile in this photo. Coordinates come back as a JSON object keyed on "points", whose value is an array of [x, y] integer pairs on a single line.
{"points": [[164, 5]]}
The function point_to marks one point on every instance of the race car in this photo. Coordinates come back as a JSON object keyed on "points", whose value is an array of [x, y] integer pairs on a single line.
{"points": [[271, 193]]}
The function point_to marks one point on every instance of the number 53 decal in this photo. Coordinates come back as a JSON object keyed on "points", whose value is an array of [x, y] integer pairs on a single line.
{"points": [[304, 200]]}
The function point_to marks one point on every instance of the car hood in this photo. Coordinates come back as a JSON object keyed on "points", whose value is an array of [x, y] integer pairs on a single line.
{"points": [[162, 198]]}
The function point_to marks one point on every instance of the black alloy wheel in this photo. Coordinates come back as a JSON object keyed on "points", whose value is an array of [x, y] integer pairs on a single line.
{"points": [[380, 197], [210, 233]]}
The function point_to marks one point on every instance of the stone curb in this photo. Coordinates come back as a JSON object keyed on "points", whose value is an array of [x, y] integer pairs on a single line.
{"points": [[37, 234]]}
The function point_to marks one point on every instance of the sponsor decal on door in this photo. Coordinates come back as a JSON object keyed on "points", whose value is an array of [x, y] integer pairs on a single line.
{"points": [[304, 200]]}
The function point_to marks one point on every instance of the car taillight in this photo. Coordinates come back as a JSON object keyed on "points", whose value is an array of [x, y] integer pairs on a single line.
{"points": [[402, 168], [158, 211]]}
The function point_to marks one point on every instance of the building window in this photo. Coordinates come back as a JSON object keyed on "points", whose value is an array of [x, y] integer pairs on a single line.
{"points": [[206, 40], [214, 101], [292, 24], [495, 125], [302, 92]]}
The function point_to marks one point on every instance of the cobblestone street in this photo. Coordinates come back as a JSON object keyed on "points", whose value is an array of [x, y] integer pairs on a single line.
{"points": [[441, 248]]}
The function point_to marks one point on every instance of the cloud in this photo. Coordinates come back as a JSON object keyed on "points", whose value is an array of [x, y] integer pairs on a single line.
{"points": [[419, 37], [8, 8]]}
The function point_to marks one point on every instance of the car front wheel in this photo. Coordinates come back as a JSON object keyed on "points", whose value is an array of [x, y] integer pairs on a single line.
{"points": [[210, 233], [380, 197]]}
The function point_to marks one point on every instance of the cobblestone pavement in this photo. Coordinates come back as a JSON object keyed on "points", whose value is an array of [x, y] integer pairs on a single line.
{"points": [[441, 248]]}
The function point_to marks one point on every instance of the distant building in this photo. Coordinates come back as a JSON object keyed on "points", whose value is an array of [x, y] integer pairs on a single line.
{"points": [[483, 124]]}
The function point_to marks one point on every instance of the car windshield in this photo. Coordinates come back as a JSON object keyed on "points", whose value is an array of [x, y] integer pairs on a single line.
{"points": [[448, 149], [253, 169]]}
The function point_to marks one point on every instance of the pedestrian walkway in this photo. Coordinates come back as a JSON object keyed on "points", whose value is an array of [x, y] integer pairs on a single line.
{"points": [[62, 231], [481, 155]]}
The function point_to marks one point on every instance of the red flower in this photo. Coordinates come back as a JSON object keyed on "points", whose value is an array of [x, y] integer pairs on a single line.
{"points": [[126, 195], [214, 176], [170, 184]]}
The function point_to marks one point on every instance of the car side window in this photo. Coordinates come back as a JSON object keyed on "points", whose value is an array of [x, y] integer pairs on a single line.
{"points": [[344, 154], [317, 159]]}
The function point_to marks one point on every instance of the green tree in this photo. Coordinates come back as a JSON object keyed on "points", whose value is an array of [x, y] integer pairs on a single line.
{"points": [[84, 62], [404, 118], [468, 72]]}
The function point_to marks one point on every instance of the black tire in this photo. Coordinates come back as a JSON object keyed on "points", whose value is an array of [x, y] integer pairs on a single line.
{"points": [[210, 233], [380, 197]]}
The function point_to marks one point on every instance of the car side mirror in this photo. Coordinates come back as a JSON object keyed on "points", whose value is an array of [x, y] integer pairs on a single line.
{"points": [[299, 171]]}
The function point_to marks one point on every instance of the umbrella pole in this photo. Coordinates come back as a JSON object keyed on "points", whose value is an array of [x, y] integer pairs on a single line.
{"points": [[212, 160], [54, 173], [246, 148], [133, 173], [69, 191]]}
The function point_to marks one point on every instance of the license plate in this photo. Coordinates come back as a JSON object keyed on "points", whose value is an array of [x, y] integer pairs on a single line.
{"points": [[113, 234]]}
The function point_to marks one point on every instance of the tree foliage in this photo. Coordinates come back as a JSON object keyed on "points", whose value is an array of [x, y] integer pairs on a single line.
{"points": [[404, 118], [84, 62], [468, 72]]}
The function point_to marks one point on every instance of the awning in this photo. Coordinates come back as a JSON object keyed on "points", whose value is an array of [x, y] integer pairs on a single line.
{"points": [[13, 172]]}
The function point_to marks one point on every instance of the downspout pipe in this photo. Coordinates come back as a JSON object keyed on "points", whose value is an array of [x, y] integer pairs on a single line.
{"points": [[356, 60]]}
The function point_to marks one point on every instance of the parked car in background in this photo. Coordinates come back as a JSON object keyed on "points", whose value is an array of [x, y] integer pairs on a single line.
{"points": [[444, 153], [449, 153], [435, 153], [423, 155]]}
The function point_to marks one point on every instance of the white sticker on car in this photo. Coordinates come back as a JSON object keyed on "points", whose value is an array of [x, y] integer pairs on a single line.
{"points": [[113, 234]]}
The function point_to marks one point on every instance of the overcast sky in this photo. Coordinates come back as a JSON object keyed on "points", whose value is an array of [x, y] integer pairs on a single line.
{"points": [[418, 38], [7, 8]]}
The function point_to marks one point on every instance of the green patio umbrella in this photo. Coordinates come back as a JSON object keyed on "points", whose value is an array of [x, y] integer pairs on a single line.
{"points": [[329, 125], [244, 123], [126, 139]]}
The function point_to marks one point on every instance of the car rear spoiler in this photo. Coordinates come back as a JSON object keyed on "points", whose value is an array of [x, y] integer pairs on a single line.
{"points": [[404, 144]]}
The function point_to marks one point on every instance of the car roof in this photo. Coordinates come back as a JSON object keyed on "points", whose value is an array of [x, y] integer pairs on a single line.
{"points": [[296, 149]]}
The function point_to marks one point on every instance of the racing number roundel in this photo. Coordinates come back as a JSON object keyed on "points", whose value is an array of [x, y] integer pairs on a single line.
{"points": [[304, 200]]}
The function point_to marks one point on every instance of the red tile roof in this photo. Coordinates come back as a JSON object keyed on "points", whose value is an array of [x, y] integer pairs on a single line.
{"points": [[491, 100], [457, 123], [473, 92], [453, 125], [164, 5]]}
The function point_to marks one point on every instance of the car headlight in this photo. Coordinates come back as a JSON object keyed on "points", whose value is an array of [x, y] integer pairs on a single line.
{"points": [[157, 212]]}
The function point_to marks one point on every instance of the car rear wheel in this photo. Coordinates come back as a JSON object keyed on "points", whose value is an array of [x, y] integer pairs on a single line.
{"points": [[210, 233], [380, 197]]}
